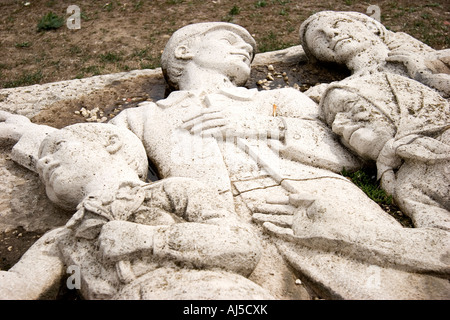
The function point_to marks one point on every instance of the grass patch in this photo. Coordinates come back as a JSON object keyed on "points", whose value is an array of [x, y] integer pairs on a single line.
{"points": [[111, 57], [260, 4], [138, 5], [234, 11], [146, 59], [366, 180], [108, 7], [50, 21], [284, 12], [271, 42], [89, 71], [26, 79], [25, 44]]}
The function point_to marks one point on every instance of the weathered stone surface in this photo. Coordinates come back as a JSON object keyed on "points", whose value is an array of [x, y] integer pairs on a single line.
{"points": [[23, 200], [31, 100], [250, 187]]}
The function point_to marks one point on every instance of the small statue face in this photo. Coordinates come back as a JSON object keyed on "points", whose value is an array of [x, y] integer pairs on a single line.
{"points": [[338, 39], [225, 52], [362, 127], [67, 165]]}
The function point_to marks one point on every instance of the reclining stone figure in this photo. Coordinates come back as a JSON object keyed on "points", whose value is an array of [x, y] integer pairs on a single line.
{"points": [[128, 237], [403, 126], [364, 45]]}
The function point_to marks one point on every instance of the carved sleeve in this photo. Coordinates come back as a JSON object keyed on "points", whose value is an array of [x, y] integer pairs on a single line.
{"points": [[211, 237], [135, 119]]}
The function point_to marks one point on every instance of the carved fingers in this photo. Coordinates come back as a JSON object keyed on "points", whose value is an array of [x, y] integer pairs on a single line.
{"points": [[209, 122], [220, 124], [277, 215], [412, 62], [279, 232]]}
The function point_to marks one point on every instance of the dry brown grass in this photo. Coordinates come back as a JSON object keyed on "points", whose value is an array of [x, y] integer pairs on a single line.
{"points": [[130, 34]]}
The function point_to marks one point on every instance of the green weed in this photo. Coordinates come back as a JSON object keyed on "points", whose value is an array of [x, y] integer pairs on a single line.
{"points": [[50, 21], [110, 57], [366, 180], [25, 44], [26, 79], [270, 42], [234, 11], [284, 12], [260, 4]]}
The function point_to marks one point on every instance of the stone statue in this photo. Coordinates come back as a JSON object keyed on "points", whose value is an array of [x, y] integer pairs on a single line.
{"points": [[261, 156], [130, 239], [364, 45], [270, 157], [404, 127]]}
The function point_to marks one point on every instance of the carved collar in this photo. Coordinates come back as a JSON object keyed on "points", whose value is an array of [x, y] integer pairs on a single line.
{"points": [[238, 93]]}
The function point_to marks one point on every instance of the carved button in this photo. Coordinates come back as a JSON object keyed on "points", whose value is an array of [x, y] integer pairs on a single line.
{"points": [[296, 136]]}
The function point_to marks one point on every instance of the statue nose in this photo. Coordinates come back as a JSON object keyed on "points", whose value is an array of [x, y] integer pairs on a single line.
{"points": [[245, 46], [42, 162], [331, 32]]}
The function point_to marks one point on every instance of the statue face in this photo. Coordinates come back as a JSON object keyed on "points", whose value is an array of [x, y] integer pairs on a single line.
{"points": [[67, 165], [225, 52], [362, 127], [338, 39]]}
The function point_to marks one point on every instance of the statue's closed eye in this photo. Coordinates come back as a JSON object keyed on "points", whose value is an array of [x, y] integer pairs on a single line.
{"points": [[59, 144]]}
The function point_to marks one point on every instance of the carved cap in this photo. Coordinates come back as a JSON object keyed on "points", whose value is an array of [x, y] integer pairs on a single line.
{"points": [[193, 30]]}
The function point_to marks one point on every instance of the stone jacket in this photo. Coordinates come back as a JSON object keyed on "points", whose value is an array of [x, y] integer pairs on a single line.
{"points": [[167, 224], [306, 147]]}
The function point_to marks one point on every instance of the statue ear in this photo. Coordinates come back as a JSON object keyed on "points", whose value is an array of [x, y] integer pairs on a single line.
{"points": [[183, 52], [114, 144]]}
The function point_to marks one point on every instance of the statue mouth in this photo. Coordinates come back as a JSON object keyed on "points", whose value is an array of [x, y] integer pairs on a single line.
{"points": [[339, 40], [244, 54], [49, 170]]}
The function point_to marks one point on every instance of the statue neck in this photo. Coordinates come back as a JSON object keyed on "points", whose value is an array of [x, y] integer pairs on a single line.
{"points": [[367, 60], [195, 78]]}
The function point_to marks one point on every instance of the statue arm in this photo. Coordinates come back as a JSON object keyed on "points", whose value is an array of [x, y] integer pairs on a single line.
{"points": [[430, 68], [308, 140], [209, 236], [135, 119], [39, 270], [26, 137]]}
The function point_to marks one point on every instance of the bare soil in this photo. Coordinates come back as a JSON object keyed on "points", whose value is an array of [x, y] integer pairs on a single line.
{"points": [[130, 34]]}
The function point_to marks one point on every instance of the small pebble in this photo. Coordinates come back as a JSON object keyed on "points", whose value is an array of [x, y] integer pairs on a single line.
{"points": [[298, 281]]}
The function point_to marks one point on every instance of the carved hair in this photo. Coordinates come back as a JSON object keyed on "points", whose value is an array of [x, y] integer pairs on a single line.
{"points": [[131, 149]]}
